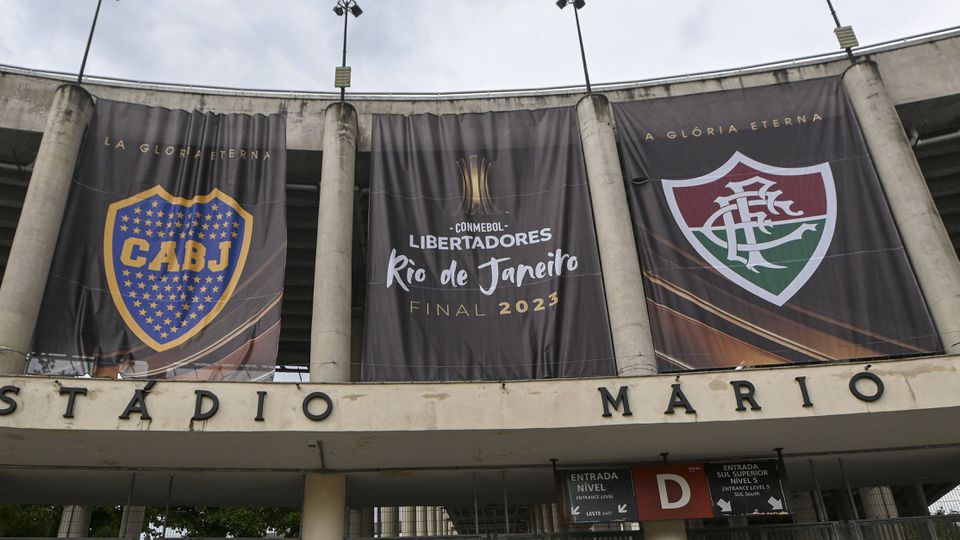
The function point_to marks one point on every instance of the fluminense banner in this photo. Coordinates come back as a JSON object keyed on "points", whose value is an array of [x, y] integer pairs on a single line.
{"points": [[171, 255], [483, 260], [763, 231]]}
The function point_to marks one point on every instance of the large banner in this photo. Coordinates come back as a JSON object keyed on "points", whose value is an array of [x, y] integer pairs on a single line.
{"points": [[171, 255], [763, 231], [483, 260]]}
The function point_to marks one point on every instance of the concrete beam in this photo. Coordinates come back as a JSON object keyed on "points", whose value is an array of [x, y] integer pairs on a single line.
{"points": [[28, 265], [330, 343], [622, 277]]}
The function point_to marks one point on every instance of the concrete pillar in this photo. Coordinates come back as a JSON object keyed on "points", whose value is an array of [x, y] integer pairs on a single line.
{"points": [[366, 528], [536, 519], [36, 237], [917, 503], [431, 518], [421, 521], [547, 513], [330, 331], [408, 521], [438, 524], [131, 521], [75, 521], [324, 507], [878, 503], [555, 514], [665, 530], [353, 523], [924, 235], [622, 278], [389, 522]]}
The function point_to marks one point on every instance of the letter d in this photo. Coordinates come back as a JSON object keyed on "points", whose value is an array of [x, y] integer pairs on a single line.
{"points": [[665, 502]]}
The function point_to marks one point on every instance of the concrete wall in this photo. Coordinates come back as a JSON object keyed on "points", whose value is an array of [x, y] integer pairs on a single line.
{"points": [[384, 426]]}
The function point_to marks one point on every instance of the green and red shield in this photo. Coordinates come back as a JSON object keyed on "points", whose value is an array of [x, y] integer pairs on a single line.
{"points": [[765, 228]]}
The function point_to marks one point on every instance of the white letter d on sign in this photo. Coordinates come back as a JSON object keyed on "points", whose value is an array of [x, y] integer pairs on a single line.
{"points": [[665, 501]]}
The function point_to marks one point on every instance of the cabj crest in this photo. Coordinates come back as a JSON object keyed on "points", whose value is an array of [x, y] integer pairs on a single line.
{"points": [[172, 264]]}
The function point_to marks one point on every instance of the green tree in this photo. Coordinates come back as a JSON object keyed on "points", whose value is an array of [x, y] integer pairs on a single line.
{"points": [[202, 521], [29, 519]]}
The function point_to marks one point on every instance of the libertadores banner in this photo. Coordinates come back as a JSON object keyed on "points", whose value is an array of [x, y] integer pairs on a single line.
{"points": [[483, 260], [763, 231], [171, 254]]}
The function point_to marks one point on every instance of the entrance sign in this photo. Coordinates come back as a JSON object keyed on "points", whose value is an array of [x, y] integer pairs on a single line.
{"points": [[599, 496], [752, 487], [676, 491], [763, 232]]}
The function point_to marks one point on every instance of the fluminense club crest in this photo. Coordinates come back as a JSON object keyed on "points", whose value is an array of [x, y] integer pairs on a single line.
{"points": [[172, 264], [764, 228]]}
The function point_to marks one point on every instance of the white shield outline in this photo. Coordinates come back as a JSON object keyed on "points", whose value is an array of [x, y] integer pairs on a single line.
{"points": [[823, 169]]}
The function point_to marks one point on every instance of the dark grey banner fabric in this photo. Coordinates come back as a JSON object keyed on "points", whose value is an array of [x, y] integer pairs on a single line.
{"points": [[171, 255], [763, 231], [483, 261]]}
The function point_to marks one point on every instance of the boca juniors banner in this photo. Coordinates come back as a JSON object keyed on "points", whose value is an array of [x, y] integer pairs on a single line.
{"points": [[763, 231], [483, 261], [171, 255]]}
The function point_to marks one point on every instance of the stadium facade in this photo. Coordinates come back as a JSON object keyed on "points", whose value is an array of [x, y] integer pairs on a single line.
{"points": [[860, 440]]}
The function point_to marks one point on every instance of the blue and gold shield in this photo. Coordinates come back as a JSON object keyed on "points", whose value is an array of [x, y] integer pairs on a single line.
{"points": [[172, 263]]}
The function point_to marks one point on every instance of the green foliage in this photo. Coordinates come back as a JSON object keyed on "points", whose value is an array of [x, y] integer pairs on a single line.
{"points": [[29, 519], [205, 522]]}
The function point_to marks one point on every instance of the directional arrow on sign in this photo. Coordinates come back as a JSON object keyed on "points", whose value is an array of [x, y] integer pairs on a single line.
{"points": [[775, 504], [724, 505], [622, 508], [575, 511]]}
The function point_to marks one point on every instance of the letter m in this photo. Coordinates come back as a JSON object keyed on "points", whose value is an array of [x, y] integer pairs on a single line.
{"points": [[620, 400]]}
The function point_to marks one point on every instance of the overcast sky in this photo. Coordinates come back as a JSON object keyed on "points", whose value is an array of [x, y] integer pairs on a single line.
{"points": [[437, 45]]}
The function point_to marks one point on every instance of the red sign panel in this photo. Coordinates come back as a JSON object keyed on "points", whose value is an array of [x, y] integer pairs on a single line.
{"points": [[672, 492]]}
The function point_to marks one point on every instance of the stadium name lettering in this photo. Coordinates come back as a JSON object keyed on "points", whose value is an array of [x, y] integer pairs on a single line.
{"points": [[316, 406], [865, 386]]}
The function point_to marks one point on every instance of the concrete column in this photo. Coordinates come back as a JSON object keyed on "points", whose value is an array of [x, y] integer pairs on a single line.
{"points": [[555, 514], [330, 331], [430, 516], [75, 521], [665, 530], [353, 523], [131, 521], [408, 521], [36, 237], [622, 278], [389, 524], [924, 235], [916, 500], [324, 507], [421, 521], [878, 503], [547, 513], [536, 519], [366, 522]]}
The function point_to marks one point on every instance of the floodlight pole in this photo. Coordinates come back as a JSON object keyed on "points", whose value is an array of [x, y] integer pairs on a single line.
{"points": [[86, 51], [583, 55], [343, 63]]}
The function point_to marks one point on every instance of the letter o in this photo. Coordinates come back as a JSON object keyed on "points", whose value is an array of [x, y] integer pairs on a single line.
{"points": [[870, 377], [306, 406]]}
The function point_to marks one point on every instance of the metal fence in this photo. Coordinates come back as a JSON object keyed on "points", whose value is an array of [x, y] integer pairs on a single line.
{"points": [[944, 527]]}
